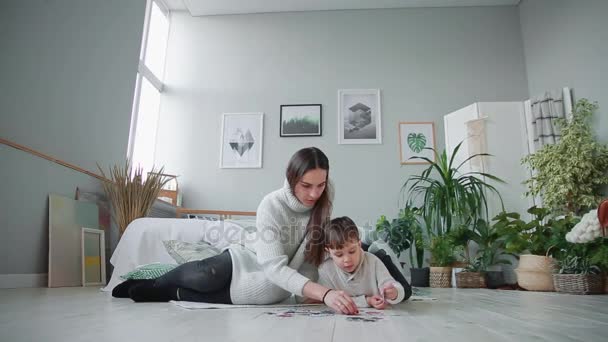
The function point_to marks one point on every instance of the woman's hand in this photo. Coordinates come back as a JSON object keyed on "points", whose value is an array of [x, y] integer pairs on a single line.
{"points": [[376, 302], [340, 301]]}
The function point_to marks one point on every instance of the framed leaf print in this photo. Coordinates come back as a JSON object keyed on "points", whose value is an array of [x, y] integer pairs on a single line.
{"points": [[415, 140]]}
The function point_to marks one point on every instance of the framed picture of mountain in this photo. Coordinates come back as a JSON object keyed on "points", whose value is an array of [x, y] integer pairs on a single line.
{"points": [[301, 120], [415, 139], [241, 144], [359, 116]]}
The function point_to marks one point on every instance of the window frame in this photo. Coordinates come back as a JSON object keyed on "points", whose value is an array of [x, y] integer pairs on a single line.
{"points": [[144, 72]]}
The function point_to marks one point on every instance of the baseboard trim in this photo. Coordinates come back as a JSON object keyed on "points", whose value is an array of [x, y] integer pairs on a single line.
{"points": [[13, 281]]}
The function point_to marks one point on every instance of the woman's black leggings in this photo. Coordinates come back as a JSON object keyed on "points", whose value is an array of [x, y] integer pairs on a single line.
{"points": [[205, 280]]}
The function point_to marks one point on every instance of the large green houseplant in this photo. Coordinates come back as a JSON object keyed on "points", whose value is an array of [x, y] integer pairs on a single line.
{"points": [[448, 196], [569, 174], [539, 242]]}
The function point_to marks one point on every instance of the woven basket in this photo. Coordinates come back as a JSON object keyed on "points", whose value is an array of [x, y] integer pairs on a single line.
{"points": [[440, 277], [535, 273], [470, 280], [578, 283]]}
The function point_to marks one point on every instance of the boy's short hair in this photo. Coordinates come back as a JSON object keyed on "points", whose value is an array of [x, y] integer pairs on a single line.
{"points": [[340, 231]]}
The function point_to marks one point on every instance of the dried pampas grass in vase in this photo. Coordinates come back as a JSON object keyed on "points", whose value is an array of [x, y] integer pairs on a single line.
{"points": [[130, 194]]}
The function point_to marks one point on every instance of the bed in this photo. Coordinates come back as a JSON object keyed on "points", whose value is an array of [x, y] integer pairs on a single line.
{"points": [[142, 242]]}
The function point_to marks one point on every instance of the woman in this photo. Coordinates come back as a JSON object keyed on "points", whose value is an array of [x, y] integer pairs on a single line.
{"points": [[269, 268]]}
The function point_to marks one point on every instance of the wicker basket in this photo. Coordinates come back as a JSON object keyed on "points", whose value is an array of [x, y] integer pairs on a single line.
{"points": [[470, 280], [441, 277], [578, 283], [535, 273]]}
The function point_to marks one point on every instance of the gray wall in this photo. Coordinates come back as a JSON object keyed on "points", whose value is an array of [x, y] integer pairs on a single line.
{"points": [[566, 44], [427, 62], [68, 76]]}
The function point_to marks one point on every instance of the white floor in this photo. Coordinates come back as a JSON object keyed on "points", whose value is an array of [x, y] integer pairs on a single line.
{"points": [[85, 314]]}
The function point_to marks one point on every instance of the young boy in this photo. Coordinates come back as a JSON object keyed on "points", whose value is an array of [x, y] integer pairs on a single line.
{"points": [[361, 274]]}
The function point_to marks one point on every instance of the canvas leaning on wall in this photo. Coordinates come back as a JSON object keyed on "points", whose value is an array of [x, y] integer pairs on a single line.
{"points": [[241, 144]]}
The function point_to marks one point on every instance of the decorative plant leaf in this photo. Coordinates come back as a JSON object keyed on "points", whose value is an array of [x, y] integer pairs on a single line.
{"points": [[416, 141]]}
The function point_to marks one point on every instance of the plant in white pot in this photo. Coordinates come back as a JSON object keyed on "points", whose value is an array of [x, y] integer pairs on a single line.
{"points": [[537, 242]]}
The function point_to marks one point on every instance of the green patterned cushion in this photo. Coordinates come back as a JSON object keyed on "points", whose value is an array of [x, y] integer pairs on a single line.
{"points": [[149, 271], [184, 252]]}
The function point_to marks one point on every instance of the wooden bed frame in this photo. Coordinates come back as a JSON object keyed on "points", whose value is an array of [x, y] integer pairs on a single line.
{"points": [[222, 214]]}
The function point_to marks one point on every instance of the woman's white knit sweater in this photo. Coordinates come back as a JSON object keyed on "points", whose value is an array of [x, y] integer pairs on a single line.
{"points": [[268, 266]]}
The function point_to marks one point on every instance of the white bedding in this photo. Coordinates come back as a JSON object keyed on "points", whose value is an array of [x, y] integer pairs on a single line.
{"points": [[142, 242]]}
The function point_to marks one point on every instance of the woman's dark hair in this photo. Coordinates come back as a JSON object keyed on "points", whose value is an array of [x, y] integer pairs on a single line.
{"points": [[339, 232], [304, 160]]}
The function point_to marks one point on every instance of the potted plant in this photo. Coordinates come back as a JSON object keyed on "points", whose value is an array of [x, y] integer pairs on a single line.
{"points": [[540, 240], [443, 251], [130, 194], [589, 232], [569, 174], [420, 275], [405, 233], [598, 256], [487, 259], [473, 275], [577, 274], [449, 197]]}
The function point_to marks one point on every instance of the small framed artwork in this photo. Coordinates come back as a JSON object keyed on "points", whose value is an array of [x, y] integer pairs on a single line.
{"points": [[93, 260], [302, 120], [241, 145], [414, 140], [359, 116]]}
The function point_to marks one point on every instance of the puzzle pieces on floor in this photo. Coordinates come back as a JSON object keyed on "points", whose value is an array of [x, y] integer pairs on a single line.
{"points": [[365, 315]]}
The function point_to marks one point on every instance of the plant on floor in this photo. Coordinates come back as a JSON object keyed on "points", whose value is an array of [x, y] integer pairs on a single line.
{"points": [[577, 260], [569, 174], [404, 233], [449, 197], [543, 235], [443, 251], [598, 254], [130, 194]]}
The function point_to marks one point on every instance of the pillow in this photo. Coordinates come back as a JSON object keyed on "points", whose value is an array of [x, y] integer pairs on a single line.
{"points": [[184, 252], [149, 271], [200, 217]]}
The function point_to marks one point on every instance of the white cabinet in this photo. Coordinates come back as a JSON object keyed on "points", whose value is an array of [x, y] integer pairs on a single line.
{"points": [[497, 128]]}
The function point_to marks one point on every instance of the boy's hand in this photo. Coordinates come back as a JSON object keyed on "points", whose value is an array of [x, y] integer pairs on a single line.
{"points": [[390, 291], [376, 302]]}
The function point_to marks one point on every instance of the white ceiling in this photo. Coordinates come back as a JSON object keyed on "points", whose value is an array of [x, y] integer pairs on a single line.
{"points": [[221, 7]]}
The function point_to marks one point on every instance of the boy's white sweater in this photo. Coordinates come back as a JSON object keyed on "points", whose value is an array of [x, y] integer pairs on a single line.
{"points": [[268, 266], [370, 276]]}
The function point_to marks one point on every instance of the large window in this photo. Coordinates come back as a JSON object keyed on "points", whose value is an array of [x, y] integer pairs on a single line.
{"points": [[149, 86]]}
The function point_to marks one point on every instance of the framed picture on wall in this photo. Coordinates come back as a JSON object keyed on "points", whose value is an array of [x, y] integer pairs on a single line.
{"points": [[359, 116], [93, 260], [414, 140], [301, 120], [241, 144]]}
